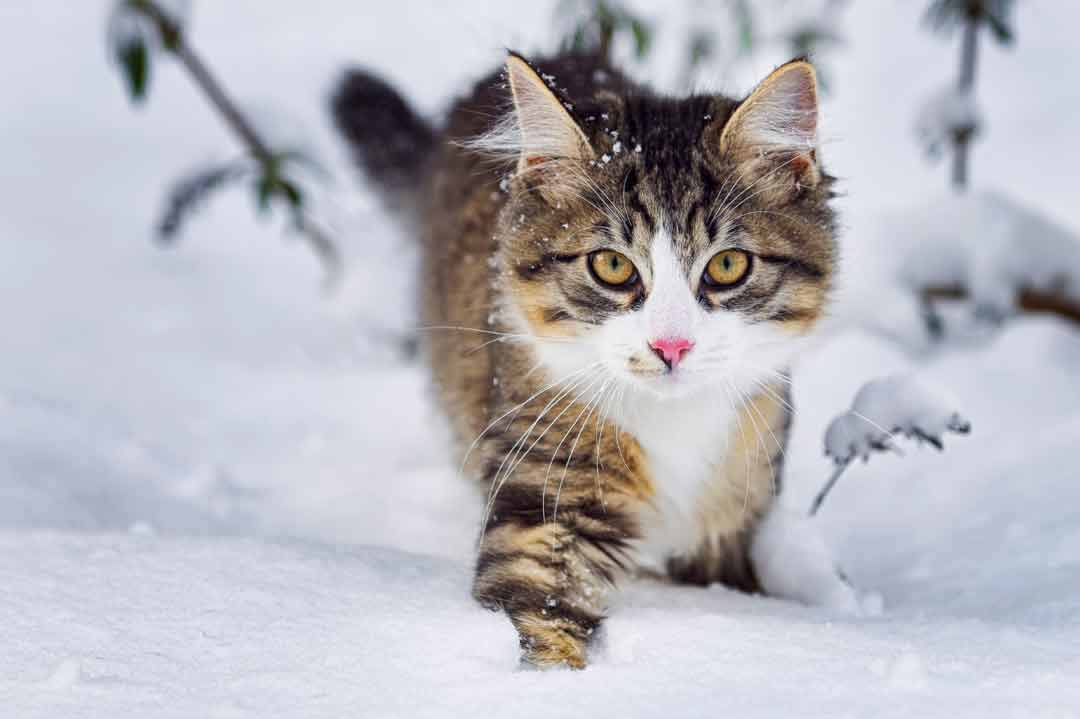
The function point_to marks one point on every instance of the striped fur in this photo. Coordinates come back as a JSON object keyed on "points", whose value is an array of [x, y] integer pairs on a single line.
{"points": [[597, 468]]}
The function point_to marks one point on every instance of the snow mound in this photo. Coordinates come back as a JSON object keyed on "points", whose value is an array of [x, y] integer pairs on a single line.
{"points": [[792, 561]]}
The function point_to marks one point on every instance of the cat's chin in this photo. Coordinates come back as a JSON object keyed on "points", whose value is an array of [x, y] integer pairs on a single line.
{"points": [[668, 387]]}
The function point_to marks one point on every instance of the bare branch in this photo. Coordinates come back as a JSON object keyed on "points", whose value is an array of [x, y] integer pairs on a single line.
{"points": [[175, 42], [1028, 300]]}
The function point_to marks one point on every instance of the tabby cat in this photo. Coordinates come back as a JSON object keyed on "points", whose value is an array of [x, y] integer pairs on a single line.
{"points": [[614, 285]]}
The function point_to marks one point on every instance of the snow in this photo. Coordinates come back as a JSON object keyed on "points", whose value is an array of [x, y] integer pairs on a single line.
{"points": [[792, 560], [237, 627], [226, 494], [942, 115], [886, 407], [990, 244], [983, 242]]}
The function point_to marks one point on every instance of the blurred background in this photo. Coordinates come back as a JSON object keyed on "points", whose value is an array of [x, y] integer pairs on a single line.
{"points": [[202, 336], [225, 491]]}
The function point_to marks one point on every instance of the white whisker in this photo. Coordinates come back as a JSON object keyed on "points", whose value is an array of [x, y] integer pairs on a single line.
{"points": [[573, 448], [497, 482], [472, 446], [506, 335], [728, 387], [777, 442]]}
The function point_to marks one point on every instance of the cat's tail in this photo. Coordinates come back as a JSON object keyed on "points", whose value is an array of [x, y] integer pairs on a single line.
{"points": [[390, 143]]}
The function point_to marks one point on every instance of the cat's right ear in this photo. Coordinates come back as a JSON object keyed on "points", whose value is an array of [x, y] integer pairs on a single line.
{"points": [[548, 134], [773, 132]]}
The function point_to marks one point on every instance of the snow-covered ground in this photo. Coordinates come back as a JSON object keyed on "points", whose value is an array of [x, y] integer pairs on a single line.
{"points": [[220, 497]]}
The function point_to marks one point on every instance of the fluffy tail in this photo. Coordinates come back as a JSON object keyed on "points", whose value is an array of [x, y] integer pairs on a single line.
{"points": [[390, 143]]}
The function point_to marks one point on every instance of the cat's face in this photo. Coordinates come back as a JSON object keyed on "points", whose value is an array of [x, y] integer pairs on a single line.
{"points": [[679, 247]]}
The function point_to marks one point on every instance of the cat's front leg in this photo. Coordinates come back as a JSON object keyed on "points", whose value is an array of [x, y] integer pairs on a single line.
{"points": [[550, 571]]}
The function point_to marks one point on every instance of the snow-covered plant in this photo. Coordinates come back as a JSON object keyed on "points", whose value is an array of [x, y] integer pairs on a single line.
{"points": [[709, 35], [952, 116], [138, 29], [943, 117], [593, 25], [724, 34], [964, 247], [883, 409]]}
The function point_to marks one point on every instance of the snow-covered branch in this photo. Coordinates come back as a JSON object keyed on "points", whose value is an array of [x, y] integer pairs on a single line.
{"points": [[884, 409], [945, 116], [964, 263]]}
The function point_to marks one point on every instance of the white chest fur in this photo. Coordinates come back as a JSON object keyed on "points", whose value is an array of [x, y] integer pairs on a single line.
{"points": [[683, 441]]}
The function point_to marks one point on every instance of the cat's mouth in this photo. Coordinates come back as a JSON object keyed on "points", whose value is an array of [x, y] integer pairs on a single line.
{"points": [[660, 380]]}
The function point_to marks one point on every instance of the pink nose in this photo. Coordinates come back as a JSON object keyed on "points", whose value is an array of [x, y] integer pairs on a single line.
{"points": [[671, 349]]}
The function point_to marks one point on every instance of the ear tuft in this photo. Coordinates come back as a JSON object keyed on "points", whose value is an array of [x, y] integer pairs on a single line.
{"points": [[547, 132]]}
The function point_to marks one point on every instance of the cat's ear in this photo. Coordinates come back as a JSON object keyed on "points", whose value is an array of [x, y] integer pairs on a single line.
{"points": [[547, 131], [774, 130]]}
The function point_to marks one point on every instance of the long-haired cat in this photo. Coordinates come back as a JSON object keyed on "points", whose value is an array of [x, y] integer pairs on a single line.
{"points": [[614, 284]]}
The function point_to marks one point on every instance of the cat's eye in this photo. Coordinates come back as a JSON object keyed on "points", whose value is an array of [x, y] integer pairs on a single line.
{"points": [[612, 269], [727, 268]]}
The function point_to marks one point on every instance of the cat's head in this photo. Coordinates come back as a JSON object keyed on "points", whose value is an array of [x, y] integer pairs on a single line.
{"points": [[678, 245]]}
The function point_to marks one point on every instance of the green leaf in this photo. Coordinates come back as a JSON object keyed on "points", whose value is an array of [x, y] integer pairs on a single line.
{"points": [[605, 16], [264, 190], [744, 20], [576, 40], [945, 16], [193, 190], [134, 59], [642, 37], [291, 193], [702, 46], [1001, 31], [272, 185]]}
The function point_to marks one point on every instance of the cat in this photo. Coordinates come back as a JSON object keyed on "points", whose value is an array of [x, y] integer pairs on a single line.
{"points": [[615, 284]]}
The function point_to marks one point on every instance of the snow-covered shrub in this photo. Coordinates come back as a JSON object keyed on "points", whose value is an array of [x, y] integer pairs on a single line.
{"points": [[990, 247], [994, 255]]}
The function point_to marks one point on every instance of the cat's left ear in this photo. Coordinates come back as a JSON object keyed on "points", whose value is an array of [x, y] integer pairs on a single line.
{"points": [[774, 130], [548, 132]]}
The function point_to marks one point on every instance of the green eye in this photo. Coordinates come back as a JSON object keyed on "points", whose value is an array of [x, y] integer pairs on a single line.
{"points": [[727, 268], [612, 269]]}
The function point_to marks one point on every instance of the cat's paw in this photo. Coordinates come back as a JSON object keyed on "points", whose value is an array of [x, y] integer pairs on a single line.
{"points": [[548, 643]]}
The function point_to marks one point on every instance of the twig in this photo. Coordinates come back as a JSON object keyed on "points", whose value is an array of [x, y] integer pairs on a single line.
{"points": [[824, 491], [173, 40], [1028, 300]]}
